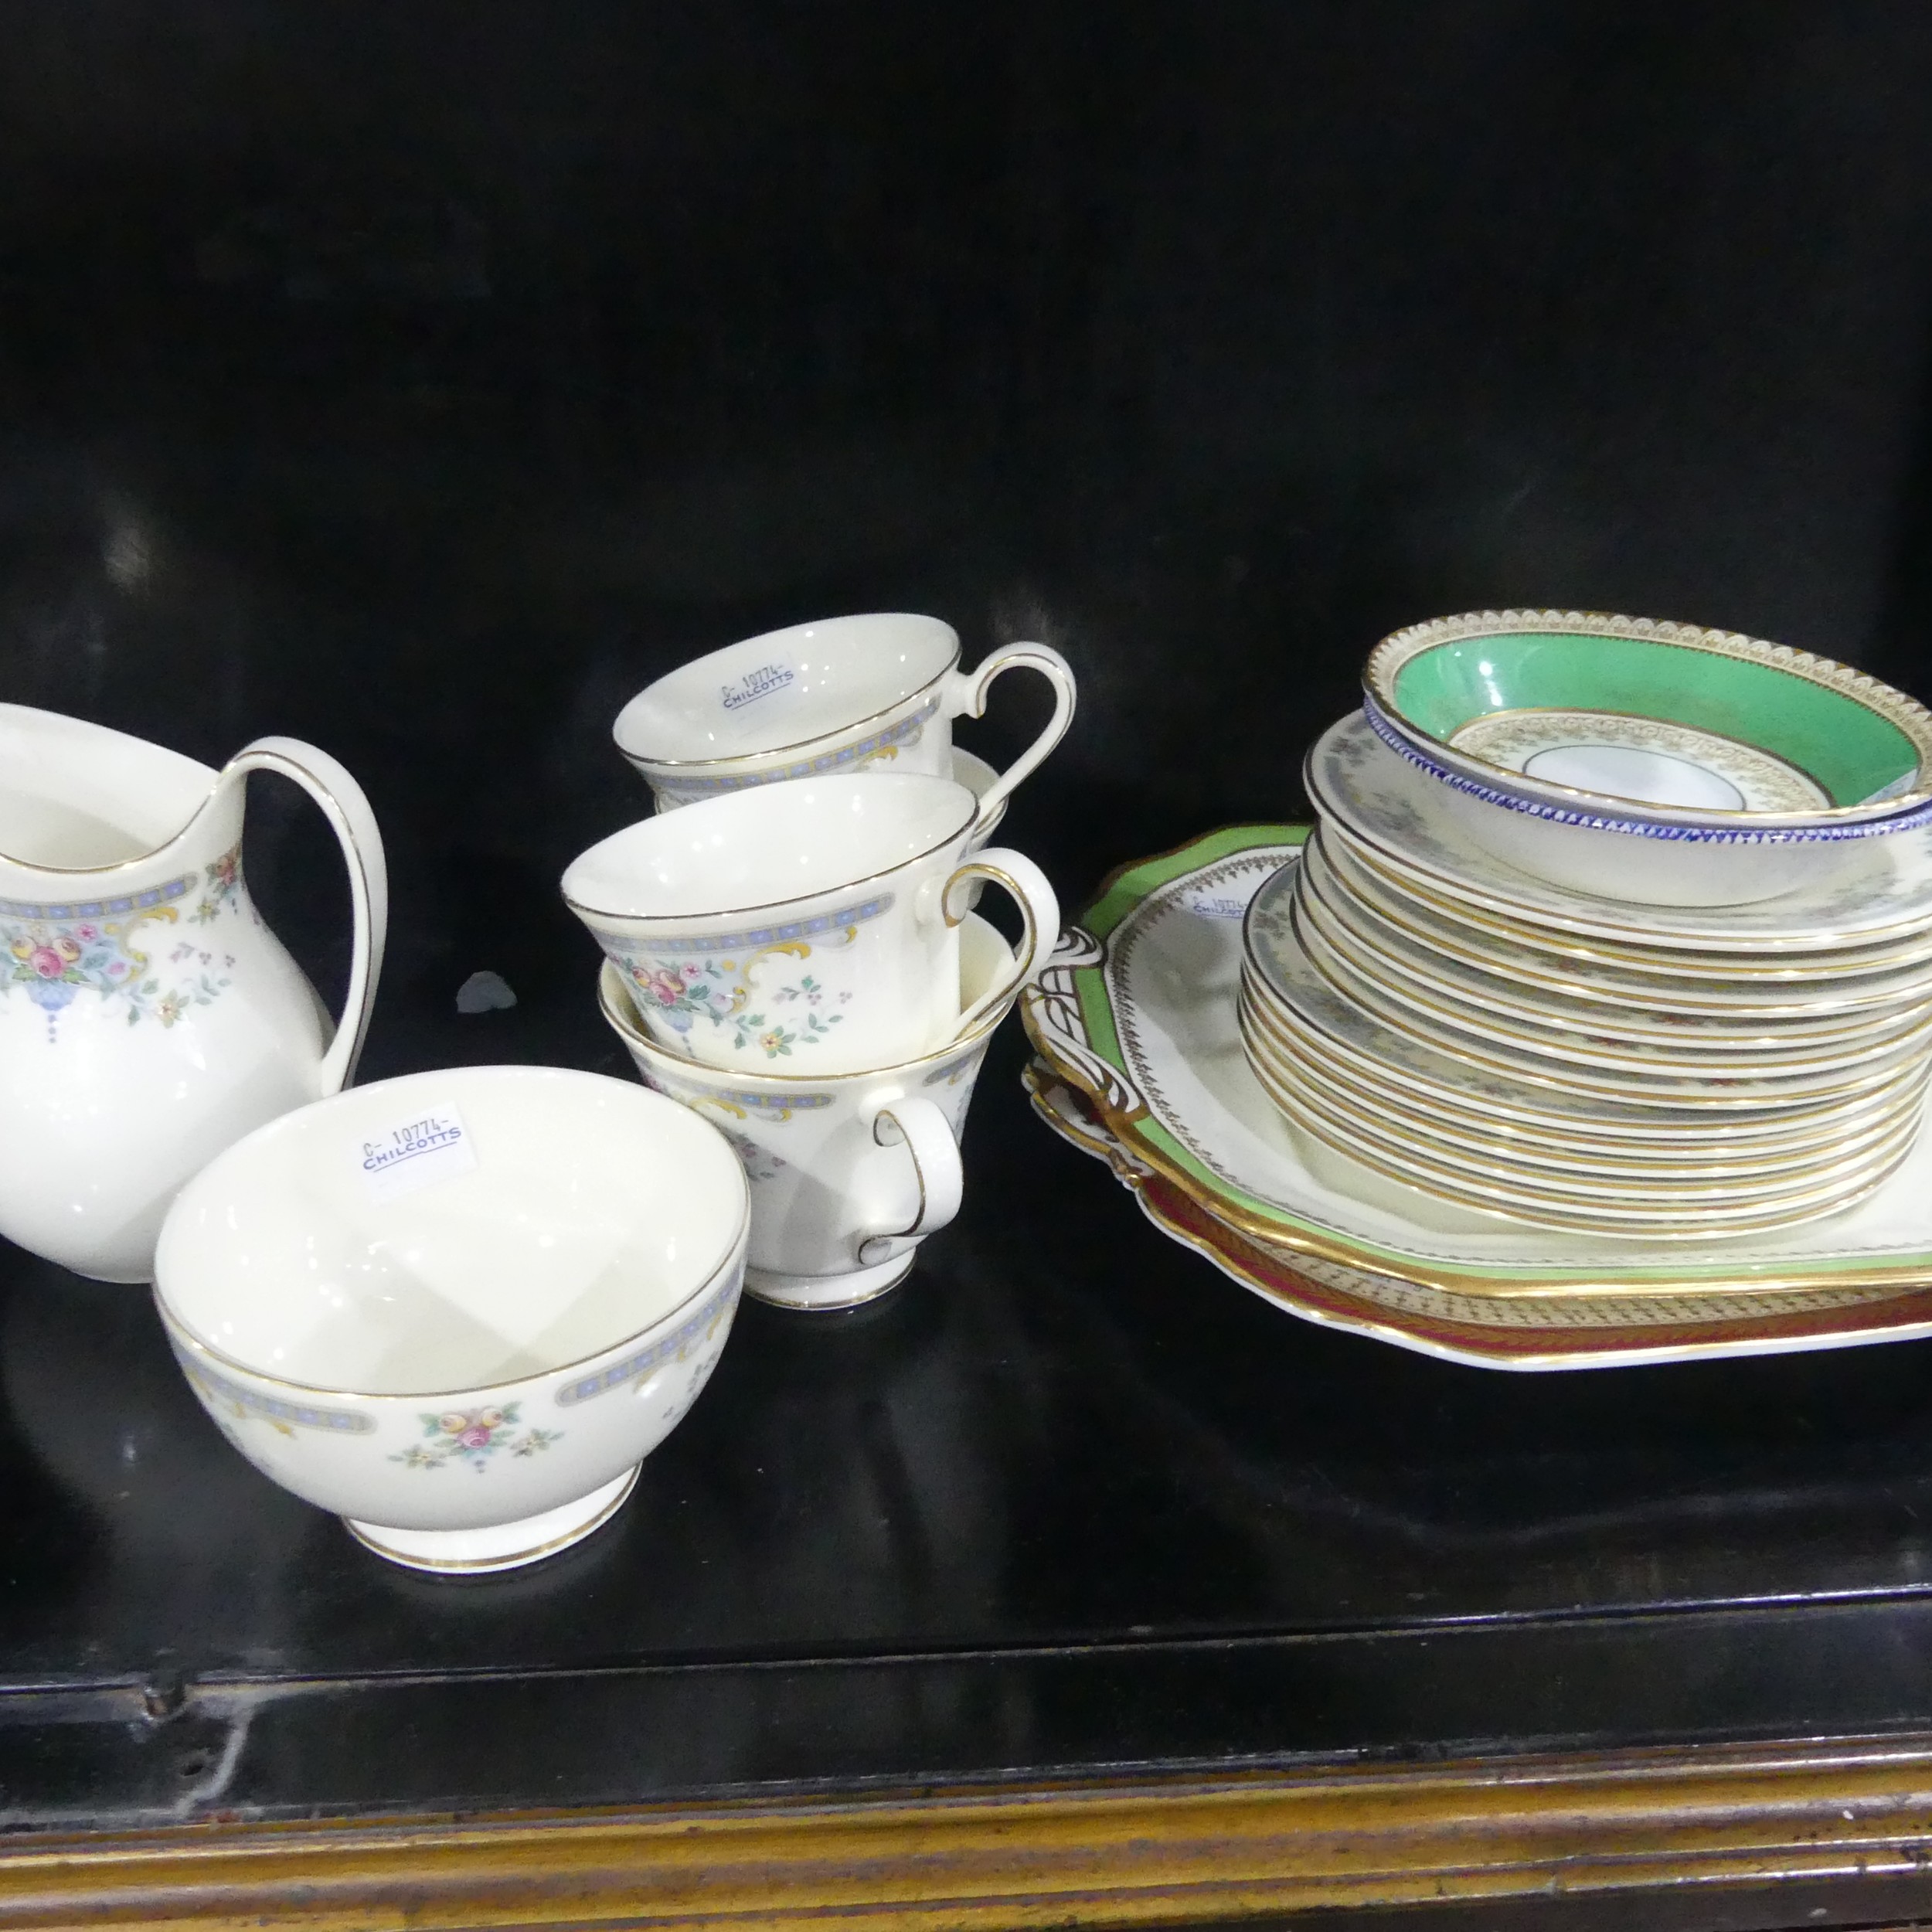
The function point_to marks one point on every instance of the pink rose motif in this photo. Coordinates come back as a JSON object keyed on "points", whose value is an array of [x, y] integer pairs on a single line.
{"points": [[666, 988], [472, 1431], [46, 962]]}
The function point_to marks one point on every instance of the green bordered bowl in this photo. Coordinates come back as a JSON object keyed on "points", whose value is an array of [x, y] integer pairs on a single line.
{"points": [[1662, 730]]}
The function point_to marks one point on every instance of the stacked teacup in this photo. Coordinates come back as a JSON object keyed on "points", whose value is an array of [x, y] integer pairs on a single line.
{"points": [[789, 945]]}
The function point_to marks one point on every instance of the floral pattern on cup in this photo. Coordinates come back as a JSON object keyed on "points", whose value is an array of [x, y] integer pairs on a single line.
{"points": [[761, 1163], [473, 1436], [683, 981], [720, 991]]}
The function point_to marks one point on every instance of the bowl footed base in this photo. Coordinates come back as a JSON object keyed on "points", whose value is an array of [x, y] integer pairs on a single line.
{"points": [[508, 1545], [823, 1292]]}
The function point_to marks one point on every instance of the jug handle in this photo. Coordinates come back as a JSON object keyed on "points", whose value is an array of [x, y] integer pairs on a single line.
{"points": [[346, 808]]}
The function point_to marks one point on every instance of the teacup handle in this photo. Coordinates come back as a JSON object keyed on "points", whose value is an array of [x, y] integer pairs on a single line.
{"points": [[344, 805], [1039, 910], [966, 694], [917, 1123]]}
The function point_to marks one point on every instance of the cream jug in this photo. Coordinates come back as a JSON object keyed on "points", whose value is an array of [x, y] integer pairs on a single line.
{"points": [[148, 1017]]}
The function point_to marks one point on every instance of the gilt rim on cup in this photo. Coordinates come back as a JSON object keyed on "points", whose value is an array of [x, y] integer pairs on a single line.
{"points": [[644, 762], [679, 921], [633, 1032]]}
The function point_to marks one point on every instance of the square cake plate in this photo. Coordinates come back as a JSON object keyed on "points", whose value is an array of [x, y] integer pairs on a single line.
{"points": [[1135, 1023]]}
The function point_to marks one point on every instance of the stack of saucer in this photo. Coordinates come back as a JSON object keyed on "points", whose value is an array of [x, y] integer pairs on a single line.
{"points": [[1509, 1043]]}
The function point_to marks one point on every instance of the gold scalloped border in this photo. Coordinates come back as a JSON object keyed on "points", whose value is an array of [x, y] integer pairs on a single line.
{"points": [[1385, 660]]}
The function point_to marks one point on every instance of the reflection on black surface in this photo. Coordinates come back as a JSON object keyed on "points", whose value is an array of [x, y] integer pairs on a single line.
{"points": [[1063, 1429], [125, 1498]]}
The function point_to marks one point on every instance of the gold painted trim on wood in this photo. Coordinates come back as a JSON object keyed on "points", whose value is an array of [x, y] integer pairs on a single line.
{"points": [[1629, 1826]]}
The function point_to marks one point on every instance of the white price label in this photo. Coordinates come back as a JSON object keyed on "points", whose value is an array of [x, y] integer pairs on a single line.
{"points": [[1215, 905], [755, 685], [431, 1146]]}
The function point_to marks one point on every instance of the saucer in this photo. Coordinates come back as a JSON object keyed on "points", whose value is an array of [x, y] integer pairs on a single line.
{"points": [[1892, 962], [1571, 716], [1358, 1026], [1592, 1002], [1652, 1213], [1631, 1069], [1770, 987], [1539, 1146], [1387, 806]]}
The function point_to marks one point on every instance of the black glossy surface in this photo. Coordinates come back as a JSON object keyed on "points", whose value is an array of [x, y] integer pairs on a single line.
{"points": [[424, 380], [1064, 1430]]}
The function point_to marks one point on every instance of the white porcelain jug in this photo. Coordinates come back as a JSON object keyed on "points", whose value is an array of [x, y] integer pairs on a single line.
{"points": [[148, 1017]]}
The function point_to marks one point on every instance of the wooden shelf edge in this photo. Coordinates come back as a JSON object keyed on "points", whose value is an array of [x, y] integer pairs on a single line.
{"points": [[1128, 1852]]}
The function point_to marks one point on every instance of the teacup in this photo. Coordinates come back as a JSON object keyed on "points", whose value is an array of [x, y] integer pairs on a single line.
{"points": [[850, 1172], [459, 1308], [834, 696], [813, 924]]}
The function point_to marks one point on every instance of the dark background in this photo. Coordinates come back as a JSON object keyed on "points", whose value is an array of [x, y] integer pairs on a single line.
{"points": [[424, 378]]}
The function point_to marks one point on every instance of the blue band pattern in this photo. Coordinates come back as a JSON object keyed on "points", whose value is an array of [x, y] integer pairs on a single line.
{"points": [[1912, 819], [295, 1415], [673, 940], [635, 1367], [100, 908]]}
